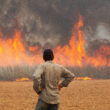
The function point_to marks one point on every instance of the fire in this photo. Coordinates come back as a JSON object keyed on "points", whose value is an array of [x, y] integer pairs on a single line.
{"points": [[73, 53], [13, 51], [83, 78], [22, 79]]}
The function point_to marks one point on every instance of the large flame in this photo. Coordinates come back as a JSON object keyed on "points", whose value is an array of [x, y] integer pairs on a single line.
{"points": [[15, 52], [74, 53]]}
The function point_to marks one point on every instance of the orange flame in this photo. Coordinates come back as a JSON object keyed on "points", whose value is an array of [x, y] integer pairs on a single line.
{"points": [[83, 78], [15, 52], [22, 79], [73, 53]]}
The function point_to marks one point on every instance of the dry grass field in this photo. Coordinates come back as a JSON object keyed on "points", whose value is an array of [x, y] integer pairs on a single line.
{"points": [[79, 95]]}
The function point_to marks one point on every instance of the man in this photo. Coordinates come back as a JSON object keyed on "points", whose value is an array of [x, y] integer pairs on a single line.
{"points": [[46, 82]]}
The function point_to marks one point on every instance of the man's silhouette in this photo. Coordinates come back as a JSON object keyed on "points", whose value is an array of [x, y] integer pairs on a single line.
{"points": [[46, 82]]}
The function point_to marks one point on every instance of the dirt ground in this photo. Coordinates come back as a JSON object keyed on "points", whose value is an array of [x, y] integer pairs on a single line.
{"points": [[79, 95]]}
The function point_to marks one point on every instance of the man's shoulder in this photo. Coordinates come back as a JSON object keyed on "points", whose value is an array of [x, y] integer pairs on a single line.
{"points": [[41, 65], [48, 63], [59, 65]]}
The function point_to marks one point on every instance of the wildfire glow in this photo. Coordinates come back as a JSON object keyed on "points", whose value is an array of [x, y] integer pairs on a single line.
{"points": [[74, 54], [22, 79], [13, 51], [83, 78]]}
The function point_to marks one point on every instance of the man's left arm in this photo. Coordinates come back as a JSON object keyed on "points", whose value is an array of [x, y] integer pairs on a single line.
{"points": [[37, 79]]}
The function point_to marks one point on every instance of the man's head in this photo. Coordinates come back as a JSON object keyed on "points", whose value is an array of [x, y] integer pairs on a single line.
{"points": [[48, 55]]}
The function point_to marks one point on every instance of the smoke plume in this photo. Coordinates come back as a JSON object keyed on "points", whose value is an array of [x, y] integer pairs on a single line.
{"points": [[50, 22]]}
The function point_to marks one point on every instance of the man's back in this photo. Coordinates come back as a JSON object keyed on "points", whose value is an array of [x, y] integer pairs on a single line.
{"points": [[49, 74], [46, 82]]}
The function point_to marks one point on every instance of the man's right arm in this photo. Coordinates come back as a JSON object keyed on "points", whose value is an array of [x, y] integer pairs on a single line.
{"points": [[68, 77]]}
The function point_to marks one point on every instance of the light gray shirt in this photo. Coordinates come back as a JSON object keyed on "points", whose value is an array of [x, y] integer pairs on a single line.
{"points": [[46, 79]]}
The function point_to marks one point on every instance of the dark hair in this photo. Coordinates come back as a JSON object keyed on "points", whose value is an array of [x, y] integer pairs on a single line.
{"points": [[48, 55]]}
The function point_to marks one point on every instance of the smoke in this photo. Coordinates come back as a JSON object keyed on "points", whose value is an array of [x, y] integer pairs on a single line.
{"points": [[50, 22]]}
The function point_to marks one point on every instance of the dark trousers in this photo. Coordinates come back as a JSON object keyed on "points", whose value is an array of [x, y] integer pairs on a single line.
{"points": [[41, 105]]}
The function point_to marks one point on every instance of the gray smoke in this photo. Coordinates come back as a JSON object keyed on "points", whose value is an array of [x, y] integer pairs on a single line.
{"points": [[50, 22]]}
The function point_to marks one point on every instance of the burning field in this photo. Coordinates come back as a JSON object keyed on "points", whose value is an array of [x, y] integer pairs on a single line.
{"points": [[16, 51], [78, 31], [20, 59], [80, 95]]}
